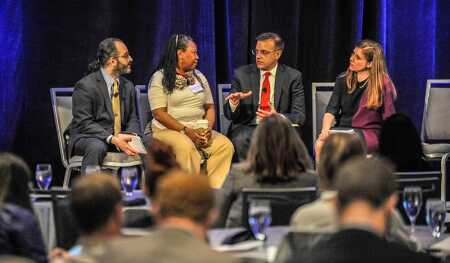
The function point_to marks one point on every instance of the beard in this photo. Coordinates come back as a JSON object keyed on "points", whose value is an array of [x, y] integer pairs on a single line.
{"points": [[123, 68]]}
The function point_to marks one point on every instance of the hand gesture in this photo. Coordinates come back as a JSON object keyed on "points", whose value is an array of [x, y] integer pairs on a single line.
{"points": [[235, 97], [263, 113]]}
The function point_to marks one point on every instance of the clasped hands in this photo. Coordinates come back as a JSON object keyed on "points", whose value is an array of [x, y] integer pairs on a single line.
{"points": [[200, 137], [121, 142], [235, 97]]}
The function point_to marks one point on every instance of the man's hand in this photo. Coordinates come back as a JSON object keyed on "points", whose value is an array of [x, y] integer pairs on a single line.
{"points": [[261, 114], [237, 96], [121, 141]]}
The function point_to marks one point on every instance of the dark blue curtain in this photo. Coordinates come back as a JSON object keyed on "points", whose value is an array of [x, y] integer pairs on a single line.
{"points": [[49, 43]]}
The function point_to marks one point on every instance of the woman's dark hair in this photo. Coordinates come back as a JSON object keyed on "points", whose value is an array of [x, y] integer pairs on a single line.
{"points": [[338, 148], [400, 142], [16, 174], [106, 49], [159, 160], [277, 154], [169, 60]]}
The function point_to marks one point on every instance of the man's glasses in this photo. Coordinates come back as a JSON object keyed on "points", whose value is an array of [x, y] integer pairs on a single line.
{"points": [[125, 56], [256, 52]]}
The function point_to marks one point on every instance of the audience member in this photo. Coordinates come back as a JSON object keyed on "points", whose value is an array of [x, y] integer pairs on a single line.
{"points": [[366, 199], [96, 203], [104, 106], [277, 158], [362, 98], [19, 229], [184, 205], [262, 89], [400, 142], [180, 99]]}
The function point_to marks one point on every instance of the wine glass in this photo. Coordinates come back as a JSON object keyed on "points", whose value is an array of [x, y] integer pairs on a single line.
{"points": [[436, 212], [129, 179], [43, 176], [259, 218], [91, 169], [412, 202]]}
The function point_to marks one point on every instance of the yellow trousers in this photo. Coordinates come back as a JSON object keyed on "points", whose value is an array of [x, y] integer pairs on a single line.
{"points": [[220, 154]]}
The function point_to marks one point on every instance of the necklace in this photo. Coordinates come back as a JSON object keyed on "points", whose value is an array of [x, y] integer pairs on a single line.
{"points": [[364, 84]]}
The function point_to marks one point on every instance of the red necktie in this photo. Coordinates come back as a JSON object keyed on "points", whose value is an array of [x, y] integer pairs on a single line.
{"points": [[265, 93]]}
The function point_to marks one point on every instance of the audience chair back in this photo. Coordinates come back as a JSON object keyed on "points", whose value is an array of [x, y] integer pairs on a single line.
{"points": [[321, 94], [223, 92], [66, 227], [61, 99], [435, 131], [283, 202]]}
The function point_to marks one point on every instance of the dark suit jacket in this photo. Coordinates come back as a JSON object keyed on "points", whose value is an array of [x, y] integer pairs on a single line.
{"points": [[289, 98], [357, 245], [92, 109]]}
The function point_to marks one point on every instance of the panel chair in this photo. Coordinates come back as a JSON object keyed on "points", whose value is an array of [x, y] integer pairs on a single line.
{"points": [[223, 92], [144, 112], [435, 131], [321, 94], [62, 112], [283, 201]]}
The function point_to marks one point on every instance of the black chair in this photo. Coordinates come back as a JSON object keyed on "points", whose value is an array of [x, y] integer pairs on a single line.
{"points": [[283, 201], [432, 184]]}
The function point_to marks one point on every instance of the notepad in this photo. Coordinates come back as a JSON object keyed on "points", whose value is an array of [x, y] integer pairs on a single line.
{"points": [[137, 144]]}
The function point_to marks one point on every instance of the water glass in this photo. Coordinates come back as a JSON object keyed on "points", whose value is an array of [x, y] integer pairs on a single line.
{"points": [[259, 218], [436, 213], [90, 169], [412, 202], [43, 176], [129, 179]]}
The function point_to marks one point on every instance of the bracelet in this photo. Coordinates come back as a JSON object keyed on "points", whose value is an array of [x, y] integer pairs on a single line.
{"points": [[183, 130]]}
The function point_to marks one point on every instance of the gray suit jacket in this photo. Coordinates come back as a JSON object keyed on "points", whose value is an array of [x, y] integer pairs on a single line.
{"points": [[163, 245], [92, 109], [289, 94]]}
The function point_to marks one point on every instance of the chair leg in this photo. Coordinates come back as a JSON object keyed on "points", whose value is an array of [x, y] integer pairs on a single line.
{"points": [[67, 175]]}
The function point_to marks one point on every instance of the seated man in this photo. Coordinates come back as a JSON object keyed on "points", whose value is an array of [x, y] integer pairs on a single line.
{"points": [[366, 198], [262, 89], [184, 207], [104, 107]]}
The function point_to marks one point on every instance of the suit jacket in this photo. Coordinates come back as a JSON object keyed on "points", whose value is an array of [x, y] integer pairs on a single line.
{"points": [[163, 245], [92, 109], [289, 98], [354, 245]]}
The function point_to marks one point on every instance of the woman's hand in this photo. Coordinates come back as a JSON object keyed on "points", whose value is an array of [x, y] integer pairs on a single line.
{"points": [[324, 135], [194, 135], [206, 137]]}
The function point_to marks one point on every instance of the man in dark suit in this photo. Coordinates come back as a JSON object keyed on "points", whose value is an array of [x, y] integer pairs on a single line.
{"points": [[104, 108], [366, 198], [262, 89]]}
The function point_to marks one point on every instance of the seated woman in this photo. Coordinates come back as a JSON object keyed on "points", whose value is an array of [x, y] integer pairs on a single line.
{"points": [[362, 98], [180, 98], [321, 216], [400, 142], [277, 158], [19, 229]]}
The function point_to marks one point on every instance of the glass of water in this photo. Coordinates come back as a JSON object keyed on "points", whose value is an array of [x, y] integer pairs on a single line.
{"points": [[129, 179], [412, 202], [43, 176], [259, 218], [436, 213]]}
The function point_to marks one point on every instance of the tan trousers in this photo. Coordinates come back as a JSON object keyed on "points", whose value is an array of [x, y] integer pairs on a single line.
{"points": [[220, 151]]}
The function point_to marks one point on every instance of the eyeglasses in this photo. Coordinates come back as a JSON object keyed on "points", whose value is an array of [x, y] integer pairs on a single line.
{"points": [[125, 56], [256, 52]]}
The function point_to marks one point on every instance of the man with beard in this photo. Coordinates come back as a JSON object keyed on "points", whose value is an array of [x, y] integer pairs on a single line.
{"points": [[104, 108]]}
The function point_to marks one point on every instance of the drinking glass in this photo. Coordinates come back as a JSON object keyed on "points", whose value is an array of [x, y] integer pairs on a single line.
{"points": [[436, 212], [92, 169], [43, 176], [129, 179], [259, 218], [412, 202]]}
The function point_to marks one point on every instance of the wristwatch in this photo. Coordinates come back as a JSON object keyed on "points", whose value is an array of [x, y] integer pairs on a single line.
{"points": [[183, 131]]}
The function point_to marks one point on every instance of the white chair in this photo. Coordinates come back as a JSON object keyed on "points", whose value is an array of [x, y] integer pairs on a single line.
{"points": [[62, 112], [321, 94], [435, 131]]}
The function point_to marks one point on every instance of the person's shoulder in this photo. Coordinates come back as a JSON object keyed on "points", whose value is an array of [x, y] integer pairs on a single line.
{"points": [[126, 81], [90, 78], [341, 76], [246, 69], [290, 70]]}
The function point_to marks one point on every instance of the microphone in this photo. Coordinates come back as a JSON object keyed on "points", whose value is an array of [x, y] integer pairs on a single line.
{"points": [[116, 94]]}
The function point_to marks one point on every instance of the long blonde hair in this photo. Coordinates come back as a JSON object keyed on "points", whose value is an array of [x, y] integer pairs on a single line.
{"points": [[373, 52]]}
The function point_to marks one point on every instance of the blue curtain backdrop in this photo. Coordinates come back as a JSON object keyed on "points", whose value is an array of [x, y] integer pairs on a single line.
{"points": [[49, 43]]}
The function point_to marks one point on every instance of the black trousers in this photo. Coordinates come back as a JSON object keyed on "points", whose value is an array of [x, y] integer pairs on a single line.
{"points": [[240, 136], [93, 151]]}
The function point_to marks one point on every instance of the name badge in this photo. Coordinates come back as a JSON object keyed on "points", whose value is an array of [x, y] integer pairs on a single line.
{"points": [[196, 88]]}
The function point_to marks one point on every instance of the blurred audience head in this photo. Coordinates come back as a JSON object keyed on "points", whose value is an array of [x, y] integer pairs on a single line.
{"points": [[400, 142], [180, 195], [366, 192], [14, 180], [96, 203], [338, 148], [159, 160], [277, 153]]}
